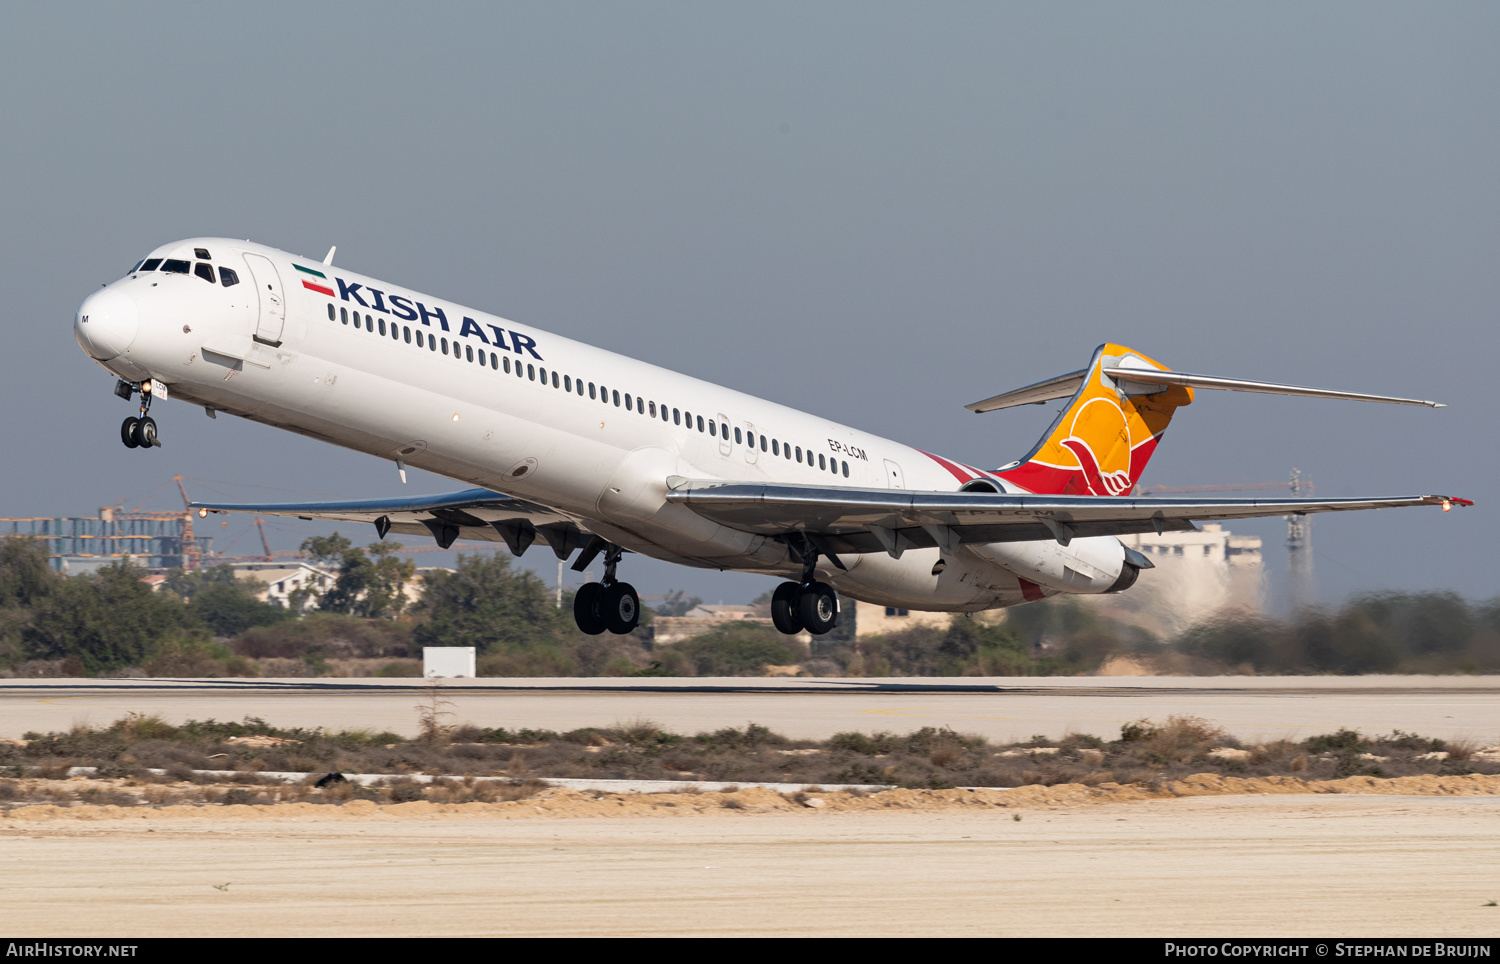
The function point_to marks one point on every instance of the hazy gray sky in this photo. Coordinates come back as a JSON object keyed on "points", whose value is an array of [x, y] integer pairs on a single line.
{"points": [[873, 212]]}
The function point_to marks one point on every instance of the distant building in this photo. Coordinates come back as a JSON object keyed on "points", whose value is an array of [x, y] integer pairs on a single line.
{"points": [[282, 579], [873, 620], [704, 619], [1198, 575]]}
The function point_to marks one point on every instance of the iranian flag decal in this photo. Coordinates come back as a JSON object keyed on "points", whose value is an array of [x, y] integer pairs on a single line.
{"points": [[320, 286]]}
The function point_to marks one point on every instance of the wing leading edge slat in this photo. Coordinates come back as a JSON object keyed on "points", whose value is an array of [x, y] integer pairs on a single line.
{"points": [[473, 514]]}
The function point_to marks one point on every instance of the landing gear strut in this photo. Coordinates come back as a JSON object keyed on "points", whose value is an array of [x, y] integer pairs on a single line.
{"points": [[611, 604], [138, 431], [809, 605]]}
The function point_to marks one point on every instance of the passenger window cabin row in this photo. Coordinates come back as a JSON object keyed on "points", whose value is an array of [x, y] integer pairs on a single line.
{"points": [[228, 277], [571, 385]]}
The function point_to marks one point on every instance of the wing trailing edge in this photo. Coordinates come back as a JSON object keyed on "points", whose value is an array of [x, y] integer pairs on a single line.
{"points": [[873, 520]]}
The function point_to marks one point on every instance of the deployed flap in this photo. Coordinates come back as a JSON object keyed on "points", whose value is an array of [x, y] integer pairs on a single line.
{"points": [[871, 520], [475, 514]]}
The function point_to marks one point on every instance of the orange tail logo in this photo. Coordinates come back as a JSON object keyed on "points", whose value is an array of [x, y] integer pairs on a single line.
{"points": [[1100, 445]]}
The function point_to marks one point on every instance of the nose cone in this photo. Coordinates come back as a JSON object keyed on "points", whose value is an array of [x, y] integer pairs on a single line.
{"points": [[106, 323]]}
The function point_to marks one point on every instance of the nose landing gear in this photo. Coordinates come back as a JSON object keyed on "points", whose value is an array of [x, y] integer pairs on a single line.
{"points": [[138, 431], [609, 604]]}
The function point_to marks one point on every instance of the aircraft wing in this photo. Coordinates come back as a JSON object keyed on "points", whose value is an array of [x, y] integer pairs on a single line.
{"points": [[477, 514], [871, 520]]}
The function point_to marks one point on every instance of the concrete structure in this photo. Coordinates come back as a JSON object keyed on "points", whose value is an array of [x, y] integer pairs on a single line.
{"points": [[873, 620], [448, 662], [80, 545]]}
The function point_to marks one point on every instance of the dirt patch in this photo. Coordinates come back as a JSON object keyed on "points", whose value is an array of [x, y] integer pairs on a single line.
{"points": [[562, 803]]}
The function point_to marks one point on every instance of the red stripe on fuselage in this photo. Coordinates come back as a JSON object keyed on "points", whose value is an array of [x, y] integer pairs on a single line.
{"points": [[318, 288], [953, 470]]}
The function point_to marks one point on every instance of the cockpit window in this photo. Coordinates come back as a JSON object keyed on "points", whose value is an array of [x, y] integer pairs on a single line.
{"points": [[175, 266], [204, 271], [202, 253], [136, 268], [150, 264], [227, 277]]}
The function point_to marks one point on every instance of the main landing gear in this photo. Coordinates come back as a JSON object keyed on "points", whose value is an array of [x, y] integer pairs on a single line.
{"points": [[809, 605], [610, 604], [138, 431]]}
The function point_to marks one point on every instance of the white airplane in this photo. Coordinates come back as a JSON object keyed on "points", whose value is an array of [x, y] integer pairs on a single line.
{"points": [[593, 452]]}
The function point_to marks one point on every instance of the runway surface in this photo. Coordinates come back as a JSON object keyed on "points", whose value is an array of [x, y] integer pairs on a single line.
{"points": [[1002, 709], [1230, 866]]}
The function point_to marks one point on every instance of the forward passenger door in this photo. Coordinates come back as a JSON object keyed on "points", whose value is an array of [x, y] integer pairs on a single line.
{"points": [[272, 301]]}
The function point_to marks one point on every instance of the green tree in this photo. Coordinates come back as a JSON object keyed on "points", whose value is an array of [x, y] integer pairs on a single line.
{"points": [[677, 604], [107, 621], [490, 606], [326, 550], [25, 575], [743, 650], [225, 604], [370, 587], [25, 580]]}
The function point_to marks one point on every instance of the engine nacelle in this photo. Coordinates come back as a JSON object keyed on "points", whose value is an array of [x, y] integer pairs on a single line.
{"points": [[1095, 565]]}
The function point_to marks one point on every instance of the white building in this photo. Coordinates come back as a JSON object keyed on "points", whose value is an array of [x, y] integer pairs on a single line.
{"points": [[1198, 575], [282, 580]]}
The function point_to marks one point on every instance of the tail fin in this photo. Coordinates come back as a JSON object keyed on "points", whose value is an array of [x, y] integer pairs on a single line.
{"points": [[1120, 407], [1102, 441]]}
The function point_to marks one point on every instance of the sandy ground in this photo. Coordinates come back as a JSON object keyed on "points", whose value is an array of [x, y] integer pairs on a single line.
{"points": [[1079, 861]]}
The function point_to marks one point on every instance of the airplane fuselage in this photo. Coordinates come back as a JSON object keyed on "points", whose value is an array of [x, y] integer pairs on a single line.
{"points": [[407, 377]]}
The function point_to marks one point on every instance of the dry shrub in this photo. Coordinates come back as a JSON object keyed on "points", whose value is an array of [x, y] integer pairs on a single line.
{"points": [[434, 714], [945, 752], [1263, 753], [240, 795], [336, 793], [1460, 750], [139, 726], [159, 796], [639, 731], [406, 791], [1181, 738]]}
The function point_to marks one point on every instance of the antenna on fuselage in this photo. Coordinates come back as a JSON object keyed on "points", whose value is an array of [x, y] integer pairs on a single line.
{"points": [[328, 258]]}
